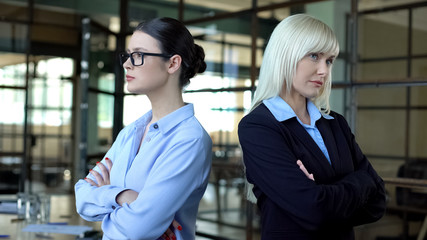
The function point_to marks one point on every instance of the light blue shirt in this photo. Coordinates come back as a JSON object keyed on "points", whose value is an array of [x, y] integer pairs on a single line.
{"points": [[282, 111], [170, 172]]}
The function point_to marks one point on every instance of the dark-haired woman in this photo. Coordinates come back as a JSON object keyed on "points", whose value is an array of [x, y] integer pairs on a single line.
{"points": [[157, 169]]}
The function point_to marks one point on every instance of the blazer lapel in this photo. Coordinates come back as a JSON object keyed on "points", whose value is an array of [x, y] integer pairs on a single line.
{"points": [[338, 148], [300, 133], [329, 140]]}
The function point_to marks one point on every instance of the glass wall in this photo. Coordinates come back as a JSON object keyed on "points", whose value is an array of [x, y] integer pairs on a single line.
{"points": [[391, 104], [12, 105], [50, 122], [392, 60], [384, 100]]}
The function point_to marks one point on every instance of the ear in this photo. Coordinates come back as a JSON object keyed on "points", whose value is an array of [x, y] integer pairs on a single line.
{"points": [[174, 63]]}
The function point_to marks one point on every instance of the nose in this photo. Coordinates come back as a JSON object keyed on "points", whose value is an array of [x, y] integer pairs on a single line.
{"points": [[323, 69], [127, 64]]}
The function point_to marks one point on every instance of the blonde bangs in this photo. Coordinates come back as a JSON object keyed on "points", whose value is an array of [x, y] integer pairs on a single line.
{"points": [[320, 39]]}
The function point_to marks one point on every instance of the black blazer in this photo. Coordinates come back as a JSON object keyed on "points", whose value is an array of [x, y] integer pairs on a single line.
{"points": [[346, 193]]}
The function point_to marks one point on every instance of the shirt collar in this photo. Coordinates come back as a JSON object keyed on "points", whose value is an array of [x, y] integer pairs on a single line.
{"points": [[282, 111], [169, 121]]}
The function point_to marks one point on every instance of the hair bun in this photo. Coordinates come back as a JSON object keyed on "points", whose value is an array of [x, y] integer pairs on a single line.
{"points": [[199, 59]]}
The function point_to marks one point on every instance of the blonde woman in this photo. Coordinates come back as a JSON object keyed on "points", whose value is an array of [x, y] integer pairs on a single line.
{"points": [[310, 179]]}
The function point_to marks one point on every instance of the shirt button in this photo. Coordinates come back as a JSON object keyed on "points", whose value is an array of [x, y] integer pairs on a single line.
{"points": [[156, 126]]}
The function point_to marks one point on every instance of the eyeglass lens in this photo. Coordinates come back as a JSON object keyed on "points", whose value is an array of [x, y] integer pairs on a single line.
{"points": [[136, 58]]}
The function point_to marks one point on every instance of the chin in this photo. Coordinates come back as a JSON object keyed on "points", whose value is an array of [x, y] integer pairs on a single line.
{"points": [[311, 96], [132, 88], [135, 91]]}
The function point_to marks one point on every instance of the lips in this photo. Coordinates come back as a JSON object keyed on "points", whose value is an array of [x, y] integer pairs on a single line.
{"points": [[317, 83], [129, 78]]}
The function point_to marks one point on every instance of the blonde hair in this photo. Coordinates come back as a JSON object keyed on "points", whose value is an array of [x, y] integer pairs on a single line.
{"points": [[292, 39]]}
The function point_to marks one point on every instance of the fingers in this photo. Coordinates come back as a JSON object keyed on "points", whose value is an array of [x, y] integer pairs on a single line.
{"points": [[164, 236], [302, 167], [304, 170], [98, 177], [105, 173], [102, 177], [109, 163], [91, 182], [168, 235], [176, 225]]}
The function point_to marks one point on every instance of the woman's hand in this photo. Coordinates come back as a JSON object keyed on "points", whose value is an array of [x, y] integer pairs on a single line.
{"points": [[304, 170], [127, 196], [169, 234], [102, 178]]}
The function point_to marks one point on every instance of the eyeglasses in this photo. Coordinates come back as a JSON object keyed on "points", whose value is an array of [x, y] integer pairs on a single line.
{"points": [[137, 58]]}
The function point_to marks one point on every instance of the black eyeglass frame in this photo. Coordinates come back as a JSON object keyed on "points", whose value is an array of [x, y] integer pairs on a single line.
{"points": [[129, 55]]}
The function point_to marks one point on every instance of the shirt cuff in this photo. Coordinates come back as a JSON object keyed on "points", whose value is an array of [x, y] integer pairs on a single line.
{"points": [[109, 196]]}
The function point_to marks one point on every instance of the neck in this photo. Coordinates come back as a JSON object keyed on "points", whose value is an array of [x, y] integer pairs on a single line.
{"points": [[164, 104], [299, 105]]}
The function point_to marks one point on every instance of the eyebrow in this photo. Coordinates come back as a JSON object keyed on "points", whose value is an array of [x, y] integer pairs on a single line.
{"points": [[323, 54], [137, 49]]}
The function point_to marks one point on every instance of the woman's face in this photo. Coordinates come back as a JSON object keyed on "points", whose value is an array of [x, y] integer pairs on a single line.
{"points": [[150, 76], [311, 73]]}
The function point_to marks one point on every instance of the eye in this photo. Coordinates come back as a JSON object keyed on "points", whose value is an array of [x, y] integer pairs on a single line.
{"points": [[314, 56], [329, 61], [138, 54]]}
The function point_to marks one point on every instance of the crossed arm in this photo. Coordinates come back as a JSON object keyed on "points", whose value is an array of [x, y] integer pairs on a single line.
{"points": [[126, 196]]}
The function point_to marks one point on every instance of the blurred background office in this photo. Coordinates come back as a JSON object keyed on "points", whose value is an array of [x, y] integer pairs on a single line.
{"points": [[63, 98]]}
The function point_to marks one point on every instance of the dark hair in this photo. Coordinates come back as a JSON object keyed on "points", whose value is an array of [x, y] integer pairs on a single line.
{"points": [[174, 38]]}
